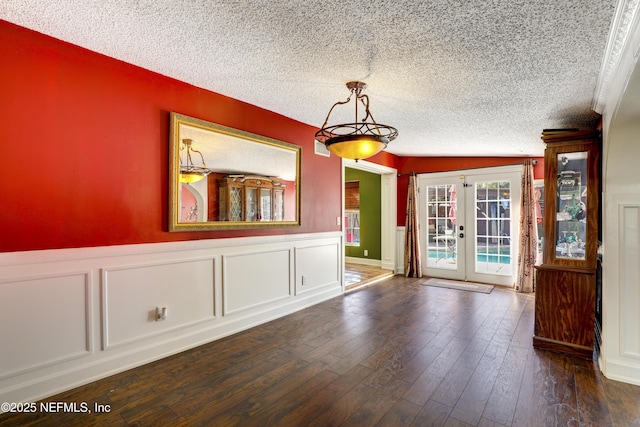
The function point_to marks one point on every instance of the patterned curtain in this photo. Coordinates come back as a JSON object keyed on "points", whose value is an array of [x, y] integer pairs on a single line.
{"points": [[528, 232], [412, 263]]}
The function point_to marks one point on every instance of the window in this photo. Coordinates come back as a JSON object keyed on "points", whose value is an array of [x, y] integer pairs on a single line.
{"points": [[352, 220], [352, 213]]}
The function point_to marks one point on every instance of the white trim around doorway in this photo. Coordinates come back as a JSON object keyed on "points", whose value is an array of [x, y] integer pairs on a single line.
{"points": [[388, 208]]}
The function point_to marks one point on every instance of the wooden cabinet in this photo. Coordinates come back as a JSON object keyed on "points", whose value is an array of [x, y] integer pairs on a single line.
{"points": [[251, 198], [566, 281], [230, 199]]}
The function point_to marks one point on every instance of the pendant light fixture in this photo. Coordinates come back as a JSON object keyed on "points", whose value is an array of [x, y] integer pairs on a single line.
{"points": [[188, 171], [360, 139]]}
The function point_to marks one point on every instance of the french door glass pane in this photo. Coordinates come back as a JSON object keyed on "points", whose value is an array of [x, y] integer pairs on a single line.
{"points": [[493, 227], [442, 247]]}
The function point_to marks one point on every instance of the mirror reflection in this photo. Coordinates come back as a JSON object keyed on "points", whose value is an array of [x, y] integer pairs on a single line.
{"points": [[222, 178]]}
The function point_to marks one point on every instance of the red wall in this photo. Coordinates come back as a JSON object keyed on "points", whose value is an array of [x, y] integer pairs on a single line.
{"points": [[407, 165], [386, 159], [84, 148]]}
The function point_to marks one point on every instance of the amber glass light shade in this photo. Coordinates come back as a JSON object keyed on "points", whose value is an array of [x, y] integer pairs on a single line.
{"points": [[190, 177], [356, 147]]}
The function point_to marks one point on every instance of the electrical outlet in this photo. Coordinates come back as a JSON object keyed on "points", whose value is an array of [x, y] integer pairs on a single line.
{"points": [[304, 280], [366, 252], [161, 313], [337, 220]]}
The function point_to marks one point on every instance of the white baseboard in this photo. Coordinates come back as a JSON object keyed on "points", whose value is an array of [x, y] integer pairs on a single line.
{"points": [[363, 261], [618, 369]]}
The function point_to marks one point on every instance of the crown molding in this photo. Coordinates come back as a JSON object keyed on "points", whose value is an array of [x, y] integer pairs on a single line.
{"points": [[620, 55]]}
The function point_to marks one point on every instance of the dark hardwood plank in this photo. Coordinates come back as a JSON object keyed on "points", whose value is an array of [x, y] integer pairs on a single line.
{"points": [[488, 423], [308, 409], [623, 402], [338, 412], [591, 398], [452, 422], [212, 392], [368, 346], [454, 383], [209, 408], [524, 329], [501, 404], [422, 389], [271, 414], [432, 414], [564, 394], [396, 353], [472, 402], [416, 366], [533, 400], [246, 409], [400, 414], [379, 403]]}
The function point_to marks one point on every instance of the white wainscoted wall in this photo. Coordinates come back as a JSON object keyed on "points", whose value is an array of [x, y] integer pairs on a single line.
{"points": [[618, 100], [620, 351], [72, 316]]}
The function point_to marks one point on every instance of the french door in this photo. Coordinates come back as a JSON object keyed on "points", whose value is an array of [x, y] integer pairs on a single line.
{"points": [[469, 224]]}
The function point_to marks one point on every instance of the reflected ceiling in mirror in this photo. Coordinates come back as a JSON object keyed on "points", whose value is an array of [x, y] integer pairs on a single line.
{"points": [[222, 178]]}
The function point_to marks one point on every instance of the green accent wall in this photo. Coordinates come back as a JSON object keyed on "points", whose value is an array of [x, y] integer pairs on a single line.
{"points": [[370, 217]]}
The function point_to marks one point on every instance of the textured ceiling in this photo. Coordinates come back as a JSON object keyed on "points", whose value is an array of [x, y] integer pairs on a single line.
{"points": [[456, 77]]}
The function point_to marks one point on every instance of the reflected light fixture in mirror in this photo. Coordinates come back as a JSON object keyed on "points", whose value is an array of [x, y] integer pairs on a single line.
{"points": [[188, 171], [360, 139]]}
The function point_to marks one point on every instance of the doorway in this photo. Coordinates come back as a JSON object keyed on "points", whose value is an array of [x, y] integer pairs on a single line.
{"points": [[388, 211], [469, 224]]}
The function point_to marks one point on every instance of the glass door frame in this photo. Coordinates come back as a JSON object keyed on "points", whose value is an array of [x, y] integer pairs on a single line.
{"points": [[502, 174], [452, 270], [465, 218]]}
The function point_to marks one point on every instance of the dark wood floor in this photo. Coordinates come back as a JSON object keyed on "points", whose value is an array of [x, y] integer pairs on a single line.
{"points": [[396, 353]]}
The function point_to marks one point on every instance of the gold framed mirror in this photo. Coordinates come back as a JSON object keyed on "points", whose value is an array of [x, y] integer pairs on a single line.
{"points": [[222, 178]]}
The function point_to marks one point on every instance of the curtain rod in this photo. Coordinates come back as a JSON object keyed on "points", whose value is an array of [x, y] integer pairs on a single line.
{"points": [[534, 161]]}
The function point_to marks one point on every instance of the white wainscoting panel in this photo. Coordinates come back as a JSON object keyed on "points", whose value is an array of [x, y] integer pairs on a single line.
{"points": [[318, 267], [630, 281], [132, 293], [44, 320], [254, 279], [72, 316]]}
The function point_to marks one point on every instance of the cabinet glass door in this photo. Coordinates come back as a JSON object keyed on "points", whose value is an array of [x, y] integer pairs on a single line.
{"points": [[251, 204], [278, 205], [571, 205], [265, 204], [235, 204]]}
